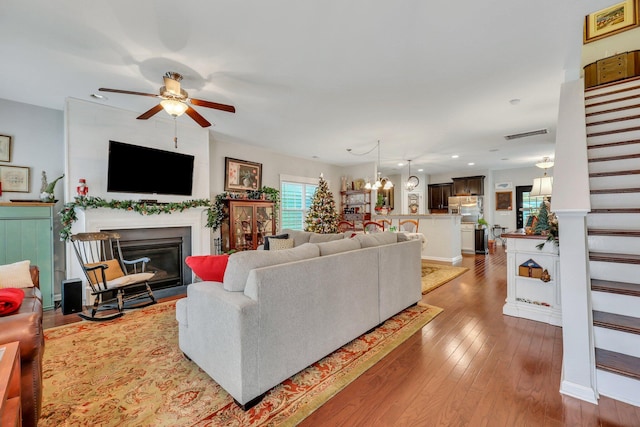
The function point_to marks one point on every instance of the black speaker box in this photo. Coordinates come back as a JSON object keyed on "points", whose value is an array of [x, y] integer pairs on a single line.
{"points": [[71, 296]]}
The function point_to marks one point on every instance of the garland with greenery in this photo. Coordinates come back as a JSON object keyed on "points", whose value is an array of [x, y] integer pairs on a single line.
{"points": [[68, 213], [215, 212]]}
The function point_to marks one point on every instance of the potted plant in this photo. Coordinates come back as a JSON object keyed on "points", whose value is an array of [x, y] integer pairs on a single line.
{"points": [[482, 223], [379, 202]]}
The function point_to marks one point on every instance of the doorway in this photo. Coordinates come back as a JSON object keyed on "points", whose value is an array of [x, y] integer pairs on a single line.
{"points": [[526, 205]]}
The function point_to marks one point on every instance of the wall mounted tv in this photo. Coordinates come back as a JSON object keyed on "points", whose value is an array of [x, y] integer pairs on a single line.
{"points": [[136, 169]]}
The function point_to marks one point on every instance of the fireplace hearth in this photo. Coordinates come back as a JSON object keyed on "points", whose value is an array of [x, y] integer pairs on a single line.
{"points": [[166, 248]]}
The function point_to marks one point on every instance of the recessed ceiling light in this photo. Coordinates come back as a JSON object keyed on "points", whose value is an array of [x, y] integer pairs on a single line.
{"points": [[400, 164], [470, 163], [420, 170], [455, 156], [97, 96]]}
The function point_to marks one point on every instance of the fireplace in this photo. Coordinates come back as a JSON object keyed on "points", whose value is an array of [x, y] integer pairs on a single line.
{"points": [[166, 248]]}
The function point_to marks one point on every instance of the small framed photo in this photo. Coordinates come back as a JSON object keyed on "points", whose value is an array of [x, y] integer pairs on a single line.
{"points": [[504, 200], [14, 179], [241, 175], [611, 20], [5, 148]]}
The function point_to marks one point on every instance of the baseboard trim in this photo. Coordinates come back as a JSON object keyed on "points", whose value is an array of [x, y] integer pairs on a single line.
{"points": [[579, 392]]}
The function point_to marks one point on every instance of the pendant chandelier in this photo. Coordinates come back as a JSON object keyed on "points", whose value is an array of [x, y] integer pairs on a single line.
{"points": [[543, 186], [379, 181]]}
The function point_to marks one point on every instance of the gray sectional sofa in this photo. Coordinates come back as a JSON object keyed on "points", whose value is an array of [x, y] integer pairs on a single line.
{"points": [[278, 312]]}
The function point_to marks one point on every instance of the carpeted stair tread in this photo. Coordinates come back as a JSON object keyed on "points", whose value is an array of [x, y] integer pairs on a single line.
{"points": [[613, 110], [621, 288], [618, 363], [616, 120], [616, 322], [611, 257]]}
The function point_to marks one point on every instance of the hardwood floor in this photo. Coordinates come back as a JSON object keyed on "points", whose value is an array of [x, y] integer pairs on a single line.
{"points": [[470, 366]]}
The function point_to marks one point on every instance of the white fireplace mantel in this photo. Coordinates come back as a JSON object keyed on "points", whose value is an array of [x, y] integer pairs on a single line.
{"points": [[92, 220]]}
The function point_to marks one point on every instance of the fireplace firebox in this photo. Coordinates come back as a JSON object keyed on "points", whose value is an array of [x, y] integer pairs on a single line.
{"points": [[165, 247]]}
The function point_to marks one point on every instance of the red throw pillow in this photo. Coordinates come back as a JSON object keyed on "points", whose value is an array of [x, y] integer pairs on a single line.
{"points": [[208, 267]]}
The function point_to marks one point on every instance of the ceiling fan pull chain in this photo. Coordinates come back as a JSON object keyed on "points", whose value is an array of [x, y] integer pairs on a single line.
{"points": [[175, 132]]}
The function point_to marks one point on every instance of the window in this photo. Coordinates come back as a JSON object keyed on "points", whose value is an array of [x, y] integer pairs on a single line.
{"points": [[296, 195]]}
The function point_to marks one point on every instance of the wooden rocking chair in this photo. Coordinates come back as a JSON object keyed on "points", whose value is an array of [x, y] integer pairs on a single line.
{"points": [[116, 284]]}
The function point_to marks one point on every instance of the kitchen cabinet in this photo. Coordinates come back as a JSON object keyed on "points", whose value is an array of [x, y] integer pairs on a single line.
{"points": [[470, 185], [26, 233], [355, 206], [246, 223], [439, 197]]}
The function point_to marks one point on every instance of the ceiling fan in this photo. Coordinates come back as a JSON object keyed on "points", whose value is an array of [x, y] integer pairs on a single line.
{"points": [[175, 100]]}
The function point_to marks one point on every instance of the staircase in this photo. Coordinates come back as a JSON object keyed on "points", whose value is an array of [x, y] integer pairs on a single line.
{"points": [[613, 145]]}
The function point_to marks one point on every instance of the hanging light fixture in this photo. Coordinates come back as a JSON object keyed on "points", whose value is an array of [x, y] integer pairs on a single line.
{"points": [[173, 107], [543, 186], [412, 181], [381, 182]]}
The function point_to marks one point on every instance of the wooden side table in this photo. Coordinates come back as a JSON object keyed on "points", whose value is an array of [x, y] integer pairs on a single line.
{"points": [[10, 407]]}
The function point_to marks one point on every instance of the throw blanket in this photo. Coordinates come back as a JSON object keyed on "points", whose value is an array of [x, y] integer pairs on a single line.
{"points": [[10, 300]]}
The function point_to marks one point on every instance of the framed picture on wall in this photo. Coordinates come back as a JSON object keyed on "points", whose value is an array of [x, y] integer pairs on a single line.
{"points": [[242, 175], [611, 20], [504, 200], [5, 148], [14, 179]]}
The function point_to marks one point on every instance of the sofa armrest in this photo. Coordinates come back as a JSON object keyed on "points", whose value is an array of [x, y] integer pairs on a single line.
{"points": [[25, 328]]}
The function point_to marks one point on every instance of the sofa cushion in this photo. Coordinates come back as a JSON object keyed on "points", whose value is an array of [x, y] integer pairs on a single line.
{"points": [[208, 267], [16, 275], [299, 237], [241, 263], [280, 244], [376, 239], [337, 246], [113, 271], [277, 236], [320, 238]]}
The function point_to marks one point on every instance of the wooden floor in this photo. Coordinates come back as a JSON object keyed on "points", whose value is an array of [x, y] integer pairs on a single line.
{"points": [[470, 366]]}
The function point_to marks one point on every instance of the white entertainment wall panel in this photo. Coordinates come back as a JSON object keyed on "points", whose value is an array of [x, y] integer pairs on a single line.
{"points": [[91, 126]]}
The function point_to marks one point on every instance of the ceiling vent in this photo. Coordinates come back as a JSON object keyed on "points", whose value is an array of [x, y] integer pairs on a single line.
{"points": [[525, 134]]}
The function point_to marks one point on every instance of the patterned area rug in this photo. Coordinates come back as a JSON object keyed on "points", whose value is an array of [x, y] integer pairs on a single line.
{"points": [[130, 372], [435, 275]]}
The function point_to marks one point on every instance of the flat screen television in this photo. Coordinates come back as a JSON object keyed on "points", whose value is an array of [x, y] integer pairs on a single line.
{"points": [[136, 169]]}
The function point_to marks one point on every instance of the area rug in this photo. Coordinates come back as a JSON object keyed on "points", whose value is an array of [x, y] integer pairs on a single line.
{"points": [[435, 275], [130, 372]]}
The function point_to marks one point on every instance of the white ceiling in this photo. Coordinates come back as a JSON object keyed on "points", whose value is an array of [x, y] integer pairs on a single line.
{"points": [[313, 78]]}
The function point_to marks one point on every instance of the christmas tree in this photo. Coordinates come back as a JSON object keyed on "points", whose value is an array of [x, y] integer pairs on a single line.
{"points": [[543, 219], [322, 216]]}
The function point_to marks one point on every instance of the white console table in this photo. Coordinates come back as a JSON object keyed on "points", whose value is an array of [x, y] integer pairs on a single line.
{"points": [[531, 297]]}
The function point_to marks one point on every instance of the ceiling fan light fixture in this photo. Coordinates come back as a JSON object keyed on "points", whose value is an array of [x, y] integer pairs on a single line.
{"points": [[174, 108]]}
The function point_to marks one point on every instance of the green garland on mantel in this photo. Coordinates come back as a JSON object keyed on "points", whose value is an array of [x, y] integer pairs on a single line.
{"points": [[215, 211]]}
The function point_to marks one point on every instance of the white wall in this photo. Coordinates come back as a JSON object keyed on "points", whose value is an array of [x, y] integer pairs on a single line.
{"points": [[90, 126]]}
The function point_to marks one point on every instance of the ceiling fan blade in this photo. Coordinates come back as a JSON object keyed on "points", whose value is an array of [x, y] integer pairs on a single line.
{"points": [[197, 117], [150, 113], [209, 104], [127, 92]]}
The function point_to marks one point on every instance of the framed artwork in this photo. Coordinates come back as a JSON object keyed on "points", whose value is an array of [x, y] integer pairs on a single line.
{"points": [[503, 200], [14, 179], [241, 175], [5, 148], [611, 20]]}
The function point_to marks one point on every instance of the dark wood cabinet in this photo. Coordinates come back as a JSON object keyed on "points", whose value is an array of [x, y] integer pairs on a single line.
{"points": [[246, 224], [469, 185], [439, 197]]}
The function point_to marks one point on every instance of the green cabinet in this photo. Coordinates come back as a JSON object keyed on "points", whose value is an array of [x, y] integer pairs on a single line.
{"points": [[26, 232]]}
